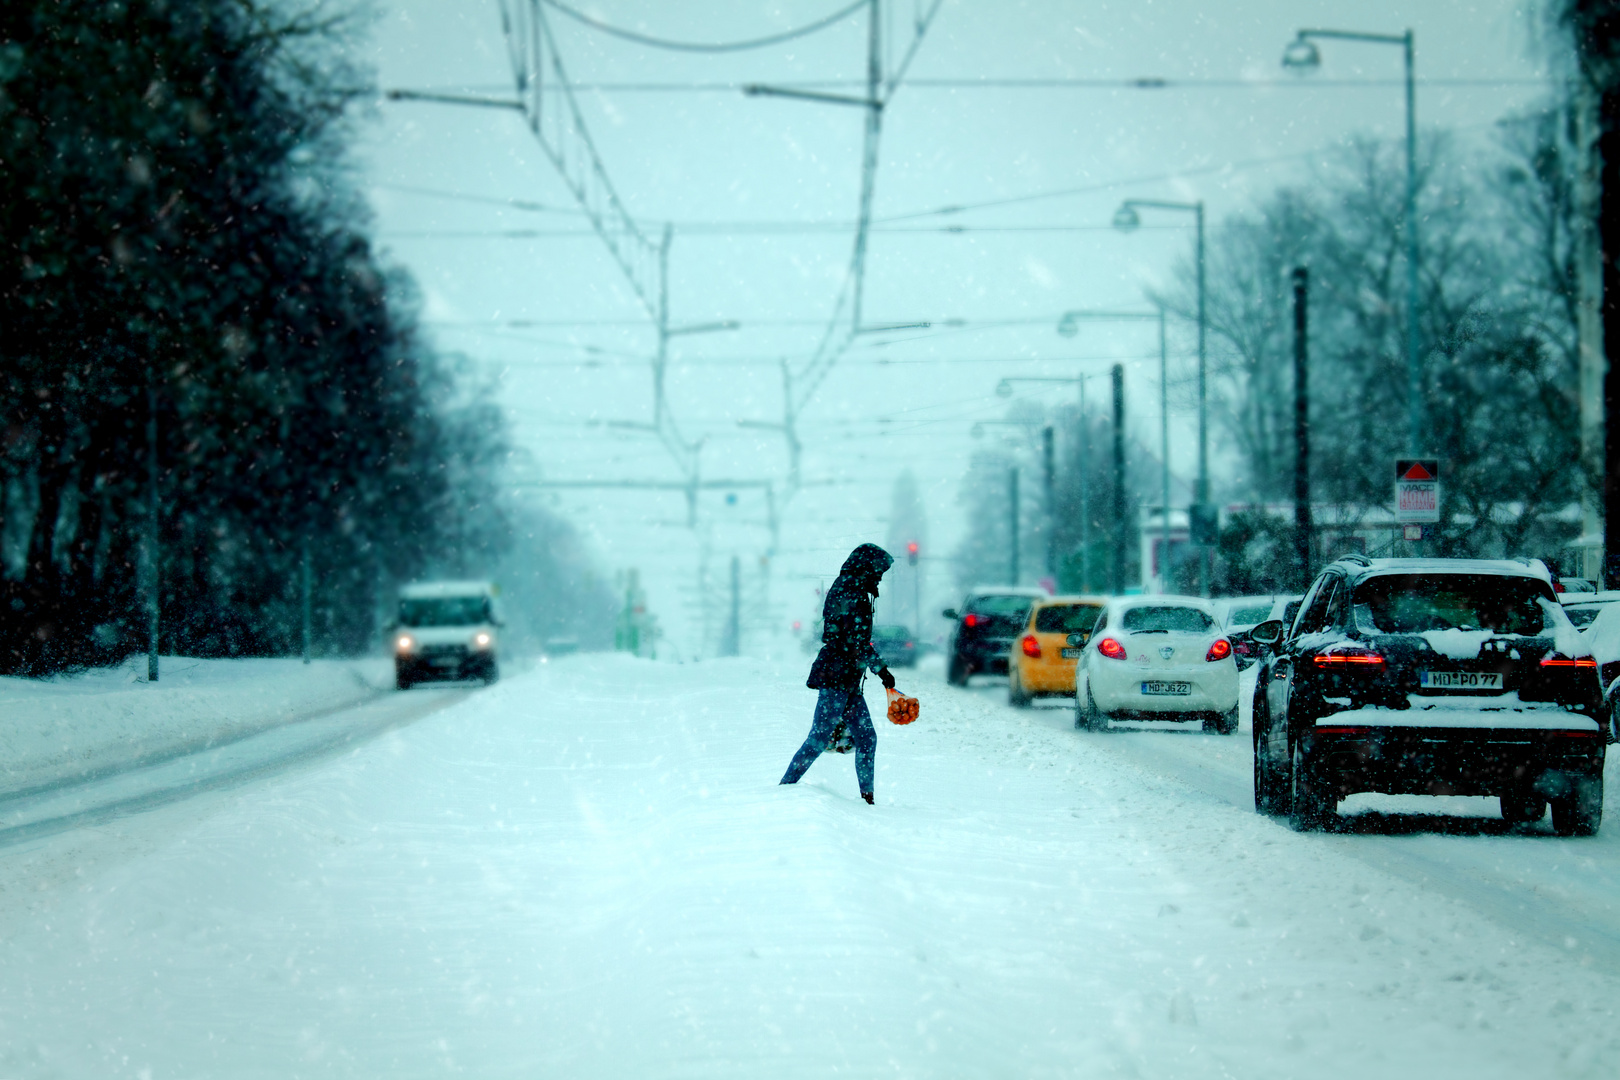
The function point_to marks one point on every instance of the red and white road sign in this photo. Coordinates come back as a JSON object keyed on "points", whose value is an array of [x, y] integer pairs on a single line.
{"points": [[1417, 491]]}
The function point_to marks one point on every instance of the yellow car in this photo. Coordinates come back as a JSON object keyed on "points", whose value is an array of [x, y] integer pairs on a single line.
{"points": [[1041, 660]]}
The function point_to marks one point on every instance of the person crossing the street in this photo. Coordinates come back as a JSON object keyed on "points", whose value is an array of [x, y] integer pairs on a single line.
{"points": [[845, 657]]}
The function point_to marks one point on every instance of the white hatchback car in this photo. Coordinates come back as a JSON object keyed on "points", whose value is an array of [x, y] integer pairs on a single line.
{"points": [[1157, 658]]}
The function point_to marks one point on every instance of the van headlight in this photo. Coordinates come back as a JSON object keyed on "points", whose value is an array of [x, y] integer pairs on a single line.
{"points": [[405, 643], [481, 641]]}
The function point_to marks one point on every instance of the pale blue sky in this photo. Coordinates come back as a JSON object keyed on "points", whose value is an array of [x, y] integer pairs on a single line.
{"points": [[706, 159]]}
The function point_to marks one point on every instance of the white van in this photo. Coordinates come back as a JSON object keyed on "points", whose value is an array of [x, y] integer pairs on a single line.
{"points": [[446, 630]]}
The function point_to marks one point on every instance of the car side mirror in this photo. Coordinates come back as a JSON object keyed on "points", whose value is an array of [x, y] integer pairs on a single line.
{"points": [[1267, 633], [950, 613], [1077, 641]]}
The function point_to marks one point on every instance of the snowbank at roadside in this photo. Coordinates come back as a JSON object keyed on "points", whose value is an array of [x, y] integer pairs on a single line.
{"points": [[75, 727]]}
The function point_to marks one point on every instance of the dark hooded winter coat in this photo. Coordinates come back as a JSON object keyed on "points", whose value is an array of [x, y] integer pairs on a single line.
{"points": [[846, 622]]}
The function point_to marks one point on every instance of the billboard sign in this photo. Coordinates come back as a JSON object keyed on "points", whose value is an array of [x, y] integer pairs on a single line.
{"points": [[1417, 491]]}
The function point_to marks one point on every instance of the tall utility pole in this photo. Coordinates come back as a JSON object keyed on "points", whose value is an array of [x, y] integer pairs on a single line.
{"points": [[1164, 454], [1085, 491], [1118, 569], [153, 557], [732, 645], [1589, 270], [305, 588], [1049, 478], [1012, 525], [1302, 427], [1597, 47]]}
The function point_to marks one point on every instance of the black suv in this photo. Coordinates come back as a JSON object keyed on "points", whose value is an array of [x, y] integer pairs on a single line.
{"points": [[985, 627], [1429, 676]]}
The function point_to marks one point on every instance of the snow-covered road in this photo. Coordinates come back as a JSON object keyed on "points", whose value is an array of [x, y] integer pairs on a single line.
{"points": [[589, 870]]}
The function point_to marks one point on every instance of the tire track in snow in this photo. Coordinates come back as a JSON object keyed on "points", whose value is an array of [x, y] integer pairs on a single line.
{"points": [[109, 796], [1502, 874]]}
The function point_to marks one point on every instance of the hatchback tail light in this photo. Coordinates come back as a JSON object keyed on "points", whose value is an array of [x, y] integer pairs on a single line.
{"points": [[1219, 651], [1111, 649], [1347, 657], [1560, 660], [1031, 646], [970, 620]]}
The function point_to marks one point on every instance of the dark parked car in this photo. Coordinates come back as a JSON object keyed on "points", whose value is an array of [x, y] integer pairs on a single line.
{"points": [[896, 644], [1429, 676], [986, 625]]}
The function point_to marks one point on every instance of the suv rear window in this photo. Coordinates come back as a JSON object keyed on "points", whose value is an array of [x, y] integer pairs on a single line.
{"points": [[1066, 618], [1000, 605], [1184, 620], [1415, 603]]}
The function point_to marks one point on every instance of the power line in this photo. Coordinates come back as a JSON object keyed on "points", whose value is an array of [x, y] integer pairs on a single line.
{"points": [[759, 228], [705, 47], [460, 196], [1039, 83]]}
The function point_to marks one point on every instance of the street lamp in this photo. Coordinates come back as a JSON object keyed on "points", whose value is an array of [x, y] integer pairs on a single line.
{"points": [[1199, 515], [1303, 56]]}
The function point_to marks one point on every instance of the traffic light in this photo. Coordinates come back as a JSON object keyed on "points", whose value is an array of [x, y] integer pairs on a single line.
{"points": [[911, 553]]}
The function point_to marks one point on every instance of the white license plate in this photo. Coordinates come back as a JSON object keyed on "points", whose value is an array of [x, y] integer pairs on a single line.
{"points": [[1167, 688], [1460, 680], [1072, 654]]}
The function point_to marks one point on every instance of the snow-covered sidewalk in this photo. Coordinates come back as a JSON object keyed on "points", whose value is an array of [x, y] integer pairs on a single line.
{"points": [[590, 871], [74, 727]]}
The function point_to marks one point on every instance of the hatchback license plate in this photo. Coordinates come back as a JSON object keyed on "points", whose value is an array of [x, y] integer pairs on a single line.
{"points": [[1071, 654], [1166, 688], [1460, 680]]}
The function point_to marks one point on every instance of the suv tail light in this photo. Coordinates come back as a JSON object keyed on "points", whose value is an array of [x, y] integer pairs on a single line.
{"points": [[1219, 651], [1111, 649], [1345, 657], [971, 620], [1031, 646], [1560, 660]]}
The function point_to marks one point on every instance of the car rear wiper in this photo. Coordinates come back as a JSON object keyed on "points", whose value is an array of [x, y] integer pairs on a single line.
{"points": [[1150, 631]]}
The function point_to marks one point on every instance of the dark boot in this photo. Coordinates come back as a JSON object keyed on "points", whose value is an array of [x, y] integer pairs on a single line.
{"points": [[867, 795]]}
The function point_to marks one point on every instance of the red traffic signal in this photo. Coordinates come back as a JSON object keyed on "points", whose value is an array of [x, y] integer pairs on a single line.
{"points": [[911, 553]]}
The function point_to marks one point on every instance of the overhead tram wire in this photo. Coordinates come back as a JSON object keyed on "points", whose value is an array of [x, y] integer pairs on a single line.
{"points": [[705, 47], [1038, 83], [531, 45], [799, 387]]}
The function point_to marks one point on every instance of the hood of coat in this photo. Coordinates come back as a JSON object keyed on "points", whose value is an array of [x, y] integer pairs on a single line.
{"points": [[865, 565]]}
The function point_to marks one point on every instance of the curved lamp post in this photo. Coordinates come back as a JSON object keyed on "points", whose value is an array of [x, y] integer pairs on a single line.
{"points": [[1127, 218], [1303, 56]]}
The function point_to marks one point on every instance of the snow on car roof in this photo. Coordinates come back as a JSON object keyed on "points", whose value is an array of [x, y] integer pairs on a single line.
{"points": [[435, 590], [1124, 603], [1502, 567], [1052, 601], [1597, 599]]}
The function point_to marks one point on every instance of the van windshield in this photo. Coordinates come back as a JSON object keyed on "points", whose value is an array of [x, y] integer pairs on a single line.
{"points": [[444, 611], [1000, 605]]}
